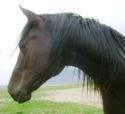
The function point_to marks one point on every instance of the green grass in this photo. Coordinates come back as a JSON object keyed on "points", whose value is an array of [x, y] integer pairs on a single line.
{"points": [[48, 107], [35, 106]]}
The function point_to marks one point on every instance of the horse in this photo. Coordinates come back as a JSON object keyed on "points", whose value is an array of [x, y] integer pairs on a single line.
{"points": [[50, 42]]}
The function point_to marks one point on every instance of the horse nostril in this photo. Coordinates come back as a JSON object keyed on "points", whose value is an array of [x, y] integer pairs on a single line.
{"points": [[18, 93]]}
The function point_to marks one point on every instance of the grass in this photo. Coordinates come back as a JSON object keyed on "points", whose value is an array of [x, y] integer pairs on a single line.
{"points": [[48, 107], [35, 106]]}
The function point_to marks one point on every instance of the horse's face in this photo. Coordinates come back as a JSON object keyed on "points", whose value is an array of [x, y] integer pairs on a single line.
{"points": [[31, 69]]}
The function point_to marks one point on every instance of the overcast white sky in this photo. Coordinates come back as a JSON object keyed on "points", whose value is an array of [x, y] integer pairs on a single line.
{"points": [[110, 12]]}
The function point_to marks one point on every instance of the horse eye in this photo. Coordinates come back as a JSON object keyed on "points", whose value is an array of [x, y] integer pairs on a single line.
{"points": [[22, 47]]}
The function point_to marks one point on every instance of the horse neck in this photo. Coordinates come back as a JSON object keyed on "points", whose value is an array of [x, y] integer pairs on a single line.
{"points": [[77, 54], [72, 46]]}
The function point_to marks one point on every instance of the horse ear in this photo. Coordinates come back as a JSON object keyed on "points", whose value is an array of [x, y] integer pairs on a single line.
{"points": [[32, 17]]}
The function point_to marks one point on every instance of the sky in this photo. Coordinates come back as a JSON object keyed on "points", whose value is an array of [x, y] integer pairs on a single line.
{"points": [[12, 20]]}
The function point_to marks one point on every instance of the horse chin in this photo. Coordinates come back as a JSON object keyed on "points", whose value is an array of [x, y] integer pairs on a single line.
{"points": [[23, 97]]}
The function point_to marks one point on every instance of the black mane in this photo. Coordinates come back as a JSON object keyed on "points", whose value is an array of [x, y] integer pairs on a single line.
{"points": [[104, 44]]}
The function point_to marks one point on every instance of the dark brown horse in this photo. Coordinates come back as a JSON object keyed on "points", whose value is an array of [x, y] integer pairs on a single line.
{"points": [[50, 42]]}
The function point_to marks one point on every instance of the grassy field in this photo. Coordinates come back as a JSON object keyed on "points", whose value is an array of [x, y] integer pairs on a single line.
{"points": [[37, 106]]}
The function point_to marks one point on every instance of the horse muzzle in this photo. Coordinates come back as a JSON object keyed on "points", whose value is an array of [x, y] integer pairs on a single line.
{"points": [[20, 96]]}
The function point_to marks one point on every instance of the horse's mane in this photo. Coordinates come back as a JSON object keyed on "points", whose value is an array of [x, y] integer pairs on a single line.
{"points": [[102, 43]]}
